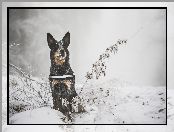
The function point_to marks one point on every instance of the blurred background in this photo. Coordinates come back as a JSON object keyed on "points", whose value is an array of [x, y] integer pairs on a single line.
{"points": [[141, 61]]}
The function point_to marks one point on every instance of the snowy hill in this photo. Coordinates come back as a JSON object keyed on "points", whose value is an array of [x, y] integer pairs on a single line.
{"points": [[130, 100], [44, 115], [112, 102], [115, 105]]}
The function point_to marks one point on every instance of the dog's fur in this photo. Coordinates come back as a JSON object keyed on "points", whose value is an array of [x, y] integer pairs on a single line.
{"points": [[63, 89]]}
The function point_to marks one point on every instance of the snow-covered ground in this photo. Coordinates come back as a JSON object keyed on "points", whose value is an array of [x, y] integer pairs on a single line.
{"points": [[117, 102], [42, 115], [112, 102], [123, 102]]}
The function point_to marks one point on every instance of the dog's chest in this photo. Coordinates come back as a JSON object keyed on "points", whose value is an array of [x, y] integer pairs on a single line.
{"points": [[67, 83], [64, 87]]}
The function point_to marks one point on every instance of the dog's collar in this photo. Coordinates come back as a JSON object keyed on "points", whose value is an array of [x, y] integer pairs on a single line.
{"points": [[64, 76]]}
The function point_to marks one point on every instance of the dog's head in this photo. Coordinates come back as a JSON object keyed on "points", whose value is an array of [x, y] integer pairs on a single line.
{"points": [[59, 49]]}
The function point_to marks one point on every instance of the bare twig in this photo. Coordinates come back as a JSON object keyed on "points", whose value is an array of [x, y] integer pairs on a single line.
{"points": [[23, 73], [99, 67]]}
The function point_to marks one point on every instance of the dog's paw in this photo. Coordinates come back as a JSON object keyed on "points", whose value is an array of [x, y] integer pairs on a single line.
{"points": [[67, 119]]}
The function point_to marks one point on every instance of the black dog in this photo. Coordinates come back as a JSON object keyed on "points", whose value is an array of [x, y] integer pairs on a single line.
{"points": [[62, 78]]}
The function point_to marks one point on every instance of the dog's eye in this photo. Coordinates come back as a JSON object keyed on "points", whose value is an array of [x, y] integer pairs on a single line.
{"points": [[62, 52]]}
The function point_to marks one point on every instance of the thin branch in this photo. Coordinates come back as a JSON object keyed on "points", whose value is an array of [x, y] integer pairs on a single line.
{"points": [[23, 73]]}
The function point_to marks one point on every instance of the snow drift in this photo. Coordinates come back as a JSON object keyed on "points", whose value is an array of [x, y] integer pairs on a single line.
{"points": [[112, 102]]}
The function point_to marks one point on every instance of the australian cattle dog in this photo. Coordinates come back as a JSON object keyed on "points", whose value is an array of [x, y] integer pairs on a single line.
{"points": [[62, 78]]}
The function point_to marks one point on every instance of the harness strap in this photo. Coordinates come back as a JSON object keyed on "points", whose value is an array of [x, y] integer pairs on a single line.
{"points": [[57, 77]]}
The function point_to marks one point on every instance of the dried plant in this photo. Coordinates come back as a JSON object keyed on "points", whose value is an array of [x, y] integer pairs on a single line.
{"points": [[99, 67], [26, 93]]}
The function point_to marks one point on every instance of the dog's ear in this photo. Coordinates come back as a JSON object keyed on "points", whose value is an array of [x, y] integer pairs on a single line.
{"points": [[51, 41], [66, 40]]}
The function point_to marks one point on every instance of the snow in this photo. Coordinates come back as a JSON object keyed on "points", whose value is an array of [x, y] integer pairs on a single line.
{"points": [[112, 102], [26, 93], [44, 115], [129, 108]]}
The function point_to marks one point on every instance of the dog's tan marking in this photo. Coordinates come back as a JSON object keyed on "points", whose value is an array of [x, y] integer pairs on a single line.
{"points": [[58, 59], [68, 83], [55, 82]]}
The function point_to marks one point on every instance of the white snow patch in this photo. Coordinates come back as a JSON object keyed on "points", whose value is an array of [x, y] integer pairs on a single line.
{"points": [[43, 115], [117, 102], [112, 102], [129, 101]]}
